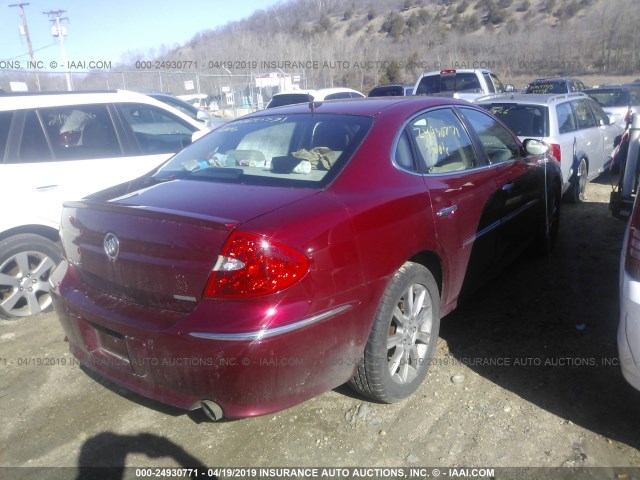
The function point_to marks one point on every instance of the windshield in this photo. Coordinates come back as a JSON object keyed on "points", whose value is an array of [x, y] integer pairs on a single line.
{"points": [[457, 82], [285, 150], [523, 120], [547, 87]]}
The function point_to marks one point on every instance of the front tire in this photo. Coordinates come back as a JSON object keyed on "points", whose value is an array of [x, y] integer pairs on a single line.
{"points": [[26, 262], [403, 338]]}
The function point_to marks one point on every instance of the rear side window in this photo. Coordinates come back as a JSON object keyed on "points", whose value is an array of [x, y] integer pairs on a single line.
{"points": [[497, 142], [566, 120], [33, 144], [442, 142], [81, 132], [583, 115], [339, 95], [5, 125], [156, 130]]}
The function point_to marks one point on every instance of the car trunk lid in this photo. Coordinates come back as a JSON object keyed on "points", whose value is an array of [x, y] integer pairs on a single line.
{"points": [[156, 246]]}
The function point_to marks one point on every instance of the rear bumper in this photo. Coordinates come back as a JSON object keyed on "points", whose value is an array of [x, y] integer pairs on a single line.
{"points": [[175, 359]]}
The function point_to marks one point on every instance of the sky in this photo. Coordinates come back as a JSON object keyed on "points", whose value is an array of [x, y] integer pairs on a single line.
{"points": [[101, 31]]}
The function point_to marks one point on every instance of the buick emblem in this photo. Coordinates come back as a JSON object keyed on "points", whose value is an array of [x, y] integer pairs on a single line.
{"points": [[111, 246]]}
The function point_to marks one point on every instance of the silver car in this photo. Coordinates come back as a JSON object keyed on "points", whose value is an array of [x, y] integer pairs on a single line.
{"points": [[580, 134], [618, 101]]}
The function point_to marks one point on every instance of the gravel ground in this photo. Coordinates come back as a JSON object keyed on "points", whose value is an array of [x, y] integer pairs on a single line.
{"points": [[525, 375]]}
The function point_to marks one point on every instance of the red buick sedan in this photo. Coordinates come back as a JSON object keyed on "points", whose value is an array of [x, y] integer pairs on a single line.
{"points": [[297, 249]]}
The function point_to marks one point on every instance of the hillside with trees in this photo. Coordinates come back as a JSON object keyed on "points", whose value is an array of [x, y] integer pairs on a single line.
{"points": [[360, 44]]}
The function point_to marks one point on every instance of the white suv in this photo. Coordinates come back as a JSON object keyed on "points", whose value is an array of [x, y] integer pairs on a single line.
{"points": [[580, 134], [64, 146]]}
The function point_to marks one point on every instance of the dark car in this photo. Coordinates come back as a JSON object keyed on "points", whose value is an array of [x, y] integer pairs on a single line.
{"points": [[555, 85], [291, 251], [184, 107], [391, 90]]}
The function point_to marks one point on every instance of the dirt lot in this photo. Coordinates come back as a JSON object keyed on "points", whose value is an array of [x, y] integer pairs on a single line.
{"points": [[533, 356]]}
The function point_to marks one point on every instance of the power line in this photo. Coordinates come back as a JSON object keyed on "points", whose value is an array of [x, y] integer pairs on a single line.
{"points": [[25, 28], [59, 31]]}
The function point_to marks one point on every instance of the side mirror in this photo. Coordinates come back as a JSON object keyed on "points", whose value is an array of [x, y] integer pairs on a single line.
{"points": [[202, 116], [611, 118], [534, 146], [509, 88]]}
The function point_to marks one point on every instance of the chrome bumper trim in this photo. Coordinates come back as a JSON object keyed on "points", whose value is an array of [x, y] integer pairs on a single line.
{"points": [[270, 332]]}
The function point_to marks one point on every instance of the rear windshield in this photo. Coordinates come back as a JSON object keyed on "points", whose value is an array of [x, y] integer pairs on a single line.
{"points": [[458, 82], [388, 91], [547, 87], [523, 120], [306, 150], [614, 97], [288, 99]]}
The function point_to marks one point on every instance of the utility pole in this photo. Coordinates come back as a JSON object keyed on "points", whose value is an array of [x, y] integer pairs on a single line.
{"points": [[59, 31], [25, 29]]}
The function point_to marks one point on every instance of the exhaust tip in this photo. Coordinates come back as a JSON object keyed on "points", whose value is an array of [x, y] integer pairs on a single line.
{"points": [[211, 409]]}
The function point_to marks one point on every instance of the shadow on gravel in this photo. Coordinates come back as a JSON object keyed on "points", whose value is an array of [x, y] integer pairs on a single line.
{"points": [[554, 320], [105, 455]]}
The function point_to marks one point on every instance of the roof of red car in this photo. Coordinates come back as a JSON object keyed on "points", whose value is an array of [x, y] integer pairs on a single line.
{"points": [[366, 106]]}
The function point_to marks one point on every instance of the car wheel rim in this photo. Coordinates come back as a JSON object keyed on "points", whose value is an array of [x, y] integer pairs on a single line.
{"points": [[582, 179], [410, 335], [24, 284]]}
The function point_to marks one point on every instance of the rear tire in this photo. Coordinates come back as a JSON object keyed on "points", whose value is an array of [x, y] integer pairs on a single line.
{"points": [[403, 338], [26, 262]]}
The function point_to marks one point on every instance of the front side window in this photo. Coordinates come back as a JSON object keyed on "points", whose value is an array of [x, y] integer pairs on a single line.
{"points": [[442, 142], [81, 132], [524, 120], [156, 130], [494, 84], [598, 113], [497, 142], [583, 115], [306, 150]]}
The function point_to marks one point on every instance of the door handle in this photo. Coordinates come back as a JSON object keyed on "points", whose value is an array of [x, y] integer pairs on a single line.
{"points": [[445, 212], [44, 188]]}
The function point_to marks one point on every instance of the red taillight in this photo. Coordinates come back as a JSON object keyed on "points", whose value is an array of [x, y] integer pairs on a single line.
{"points": [[447, 72], [251, 265], [632, 259], [555, 151]]}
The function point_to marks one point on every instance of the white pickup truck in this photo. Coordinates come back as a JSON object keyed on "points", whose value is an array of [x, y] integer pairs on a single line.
{"points": [[466, 84]]}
